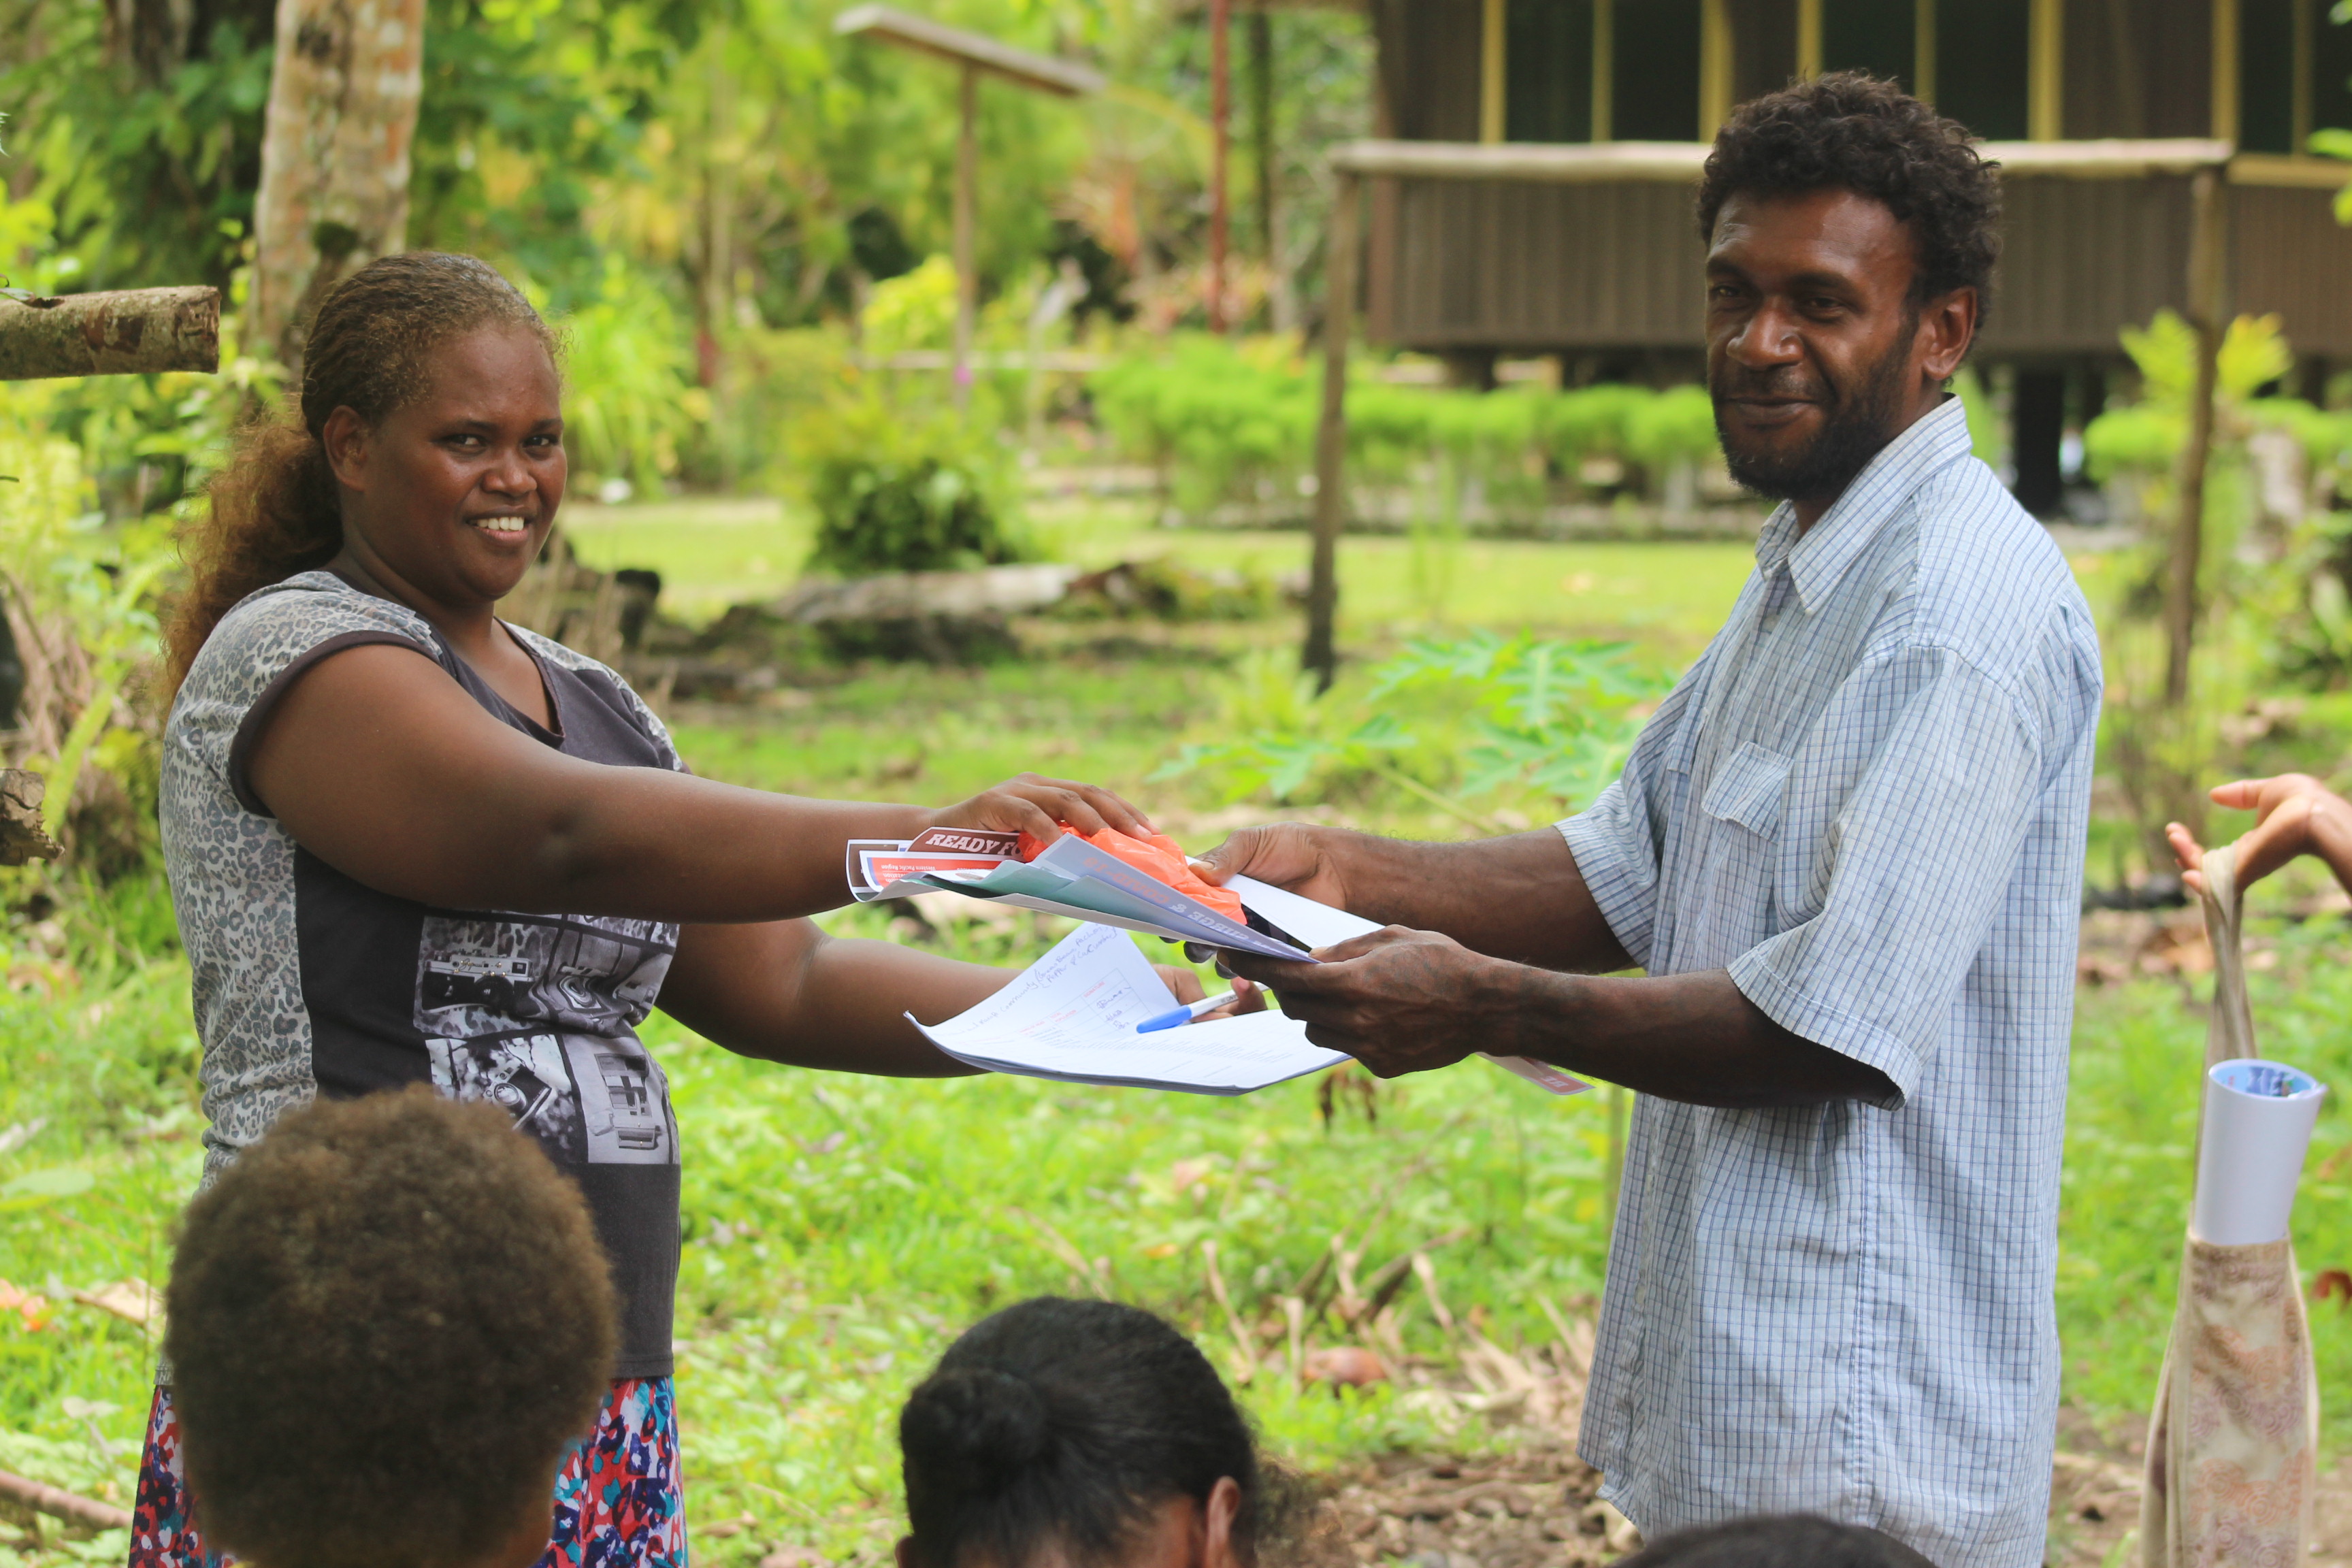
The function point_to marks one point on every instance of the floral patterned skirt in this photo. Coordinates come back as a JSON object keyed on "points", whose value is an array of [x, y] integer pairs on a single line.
{"points": [[619, 1497]]}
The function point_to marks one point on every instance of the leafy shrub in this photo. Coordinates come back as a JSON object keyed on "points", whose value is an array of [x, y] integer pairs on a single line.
{"points": [[630, 404], [1217, 419], [1447, 720], [1676, 426], [897, 495], [1590, 421], [1226, 421]]}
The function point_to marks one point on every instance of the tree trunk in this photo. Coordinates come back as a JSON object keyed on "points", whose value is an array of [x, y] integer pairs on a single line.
{"points": [[334, 155], [117, 333]]}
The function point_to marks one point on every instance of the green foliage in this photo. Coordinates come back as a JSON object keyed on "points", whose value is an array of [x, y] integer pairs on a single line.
{"points": [[1447, 720], [1988, 441], [897, 495], [145, 148], [629, 403], [1591, 421], [1221, 421], [1236, 421], [1555, 717], [1676, 426]]}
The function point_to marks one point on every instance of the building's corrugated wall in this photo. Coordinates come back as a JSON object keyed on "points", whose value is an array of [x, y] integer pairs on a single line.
{"points": [[1535, 268], [2082, 259], [2294, 258]]}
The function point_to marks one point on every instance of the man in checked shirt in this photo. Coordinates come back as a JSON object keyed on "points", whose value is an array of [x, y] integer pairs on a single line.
{"points": [[1847, 852]]}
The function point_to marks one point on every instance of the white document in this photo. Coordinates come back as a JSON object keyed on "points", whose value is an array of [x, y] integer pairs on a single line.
{"points": [[2258, 1121], [1071, 1016], [1321, 925]]}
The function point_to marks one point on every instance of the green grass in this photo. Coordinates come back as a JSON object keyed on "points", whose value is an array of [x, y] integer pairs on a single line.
{"points": [[1670, 597], [840, 1230]]}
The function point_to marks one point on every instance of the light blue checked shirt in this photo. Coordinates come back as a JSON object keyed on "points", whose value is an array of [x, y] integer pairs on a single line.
{"points": [[1866, 801]]}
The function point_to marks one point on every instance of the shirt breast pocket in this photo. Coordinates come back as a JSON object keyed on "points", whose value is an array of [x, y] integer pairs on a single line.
{"points": [[1747, 789]]}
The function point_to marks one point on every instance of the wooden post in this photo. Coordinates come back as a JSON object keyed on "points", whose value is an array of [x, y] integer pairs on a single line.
{"points": [[1605, 70], [1493, 81], [1221, 112], [2045, 66], [2207, 238], [1321, 654], [966, 194], [1262, 107], [1922, 49], [114, 333], [343, 89]]}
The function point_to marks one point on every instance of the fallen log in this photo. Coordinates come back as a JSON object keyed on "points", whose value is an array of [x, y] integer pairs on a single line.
{"points": [[897, 596], [60, 1504], [120, 332]]}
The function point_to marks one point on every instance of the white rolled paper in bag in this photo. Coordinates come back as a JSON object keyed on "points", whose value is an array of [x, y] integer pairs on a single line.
{"points": [[2257, 1122]]}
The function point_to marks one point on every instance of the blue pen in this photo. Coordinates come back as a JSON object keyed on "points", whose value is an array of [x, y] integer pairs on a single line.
{"points": [[1184, 1015]]}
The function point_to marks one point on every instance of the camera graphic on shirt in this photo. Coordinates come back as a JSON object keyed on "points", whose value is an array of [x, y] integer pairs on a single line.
{"points": [[538, 1016]]}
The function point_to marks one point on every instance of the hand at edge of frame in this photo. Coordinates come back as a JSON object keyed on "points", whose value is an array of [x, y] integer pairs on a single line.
{"points": [[2290, 813]]}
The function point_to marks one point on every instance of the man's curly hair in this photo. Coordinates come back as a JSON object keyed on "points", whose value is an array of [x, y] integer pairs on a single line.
{"points": [[385, 1323], [1851, 131]]}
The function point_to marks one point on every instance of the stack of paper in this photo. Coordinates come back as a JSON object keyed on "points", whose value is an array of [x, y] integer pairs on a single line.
{"points": [[1071, 1016], [1071, 877]]}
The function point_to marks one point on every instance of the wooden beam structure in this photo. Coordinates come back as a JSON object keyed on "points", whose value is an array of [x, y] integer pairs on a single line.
{"points": [[976, 54], [1024, 67], [2207, 160], [120, 333], [1586, 163]]}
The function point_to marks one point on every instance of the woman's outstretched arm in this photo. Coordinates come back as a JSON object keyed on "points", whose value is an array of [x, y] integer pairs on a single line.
{"points": [[380, 764]]}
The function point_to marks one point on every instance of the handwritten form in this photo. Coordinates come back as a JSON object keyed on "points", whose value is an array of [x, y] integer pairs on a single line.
{"points": [[1071, 1016]]}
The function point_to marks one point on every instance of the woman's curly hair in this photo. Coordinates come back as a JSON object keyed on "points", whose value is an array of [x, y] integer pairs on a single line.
{"points": [[275, 509], [1851, 131]]}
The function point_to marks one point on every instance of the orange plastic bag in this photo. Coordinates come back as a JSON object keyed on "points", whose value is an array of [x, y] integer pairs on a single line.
{"points": [[1157, 857]]}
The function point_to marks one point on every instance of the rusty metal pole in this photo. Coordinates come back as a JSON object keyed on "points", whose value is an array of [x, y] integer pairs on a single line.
{"points": [[1321, 654], [967, 194], [1221, 112]]}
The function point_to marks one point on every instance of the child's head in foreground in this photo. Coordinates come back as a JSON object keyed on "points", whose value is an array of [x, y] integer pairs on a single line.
{"points": [[387, 1320], [1777, 1541], [1062, 1434]]}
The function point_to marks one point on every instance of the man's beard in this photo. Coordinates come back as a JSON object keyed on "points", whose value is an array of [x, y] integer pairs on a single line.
{"points": [[1857, 425]]}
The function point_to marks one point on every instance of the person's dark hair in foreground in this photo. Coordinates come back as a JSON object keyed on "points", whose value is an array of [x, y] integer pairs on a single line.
{"points": [[1850, 134], [387, 1320], [1083, 1435], [1780, 1540]]}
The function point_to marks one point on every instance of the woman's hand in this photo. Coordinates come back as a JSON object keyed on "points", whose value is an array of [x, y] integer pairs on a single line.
{"points": [[2294, 813], [1184, 985], [1039, 805]]}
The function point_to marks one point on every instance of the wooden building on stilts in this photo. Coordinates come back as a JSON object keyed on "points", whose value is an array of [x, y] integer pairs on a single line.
{"points": [[1529, 190]]}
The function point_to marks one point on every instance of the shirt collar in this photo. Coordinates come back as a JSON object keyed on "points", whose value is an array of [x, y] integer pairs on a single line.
{"points": [[1819, 559]]}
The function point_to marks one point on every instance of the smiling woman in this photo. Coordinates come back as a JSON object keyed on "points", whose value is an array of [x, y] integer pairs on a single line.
{"points": [[410, 843]]}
